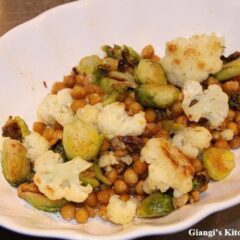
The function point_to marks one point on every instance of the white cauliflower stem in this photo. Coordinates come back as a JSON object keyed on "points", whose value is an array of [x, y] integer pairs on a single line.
{"points": [[192, 59], [56, 108], [35, 145], [211, 104], [168, 167], [114, 121], [59, 180], [192, 140], [120, 212]]}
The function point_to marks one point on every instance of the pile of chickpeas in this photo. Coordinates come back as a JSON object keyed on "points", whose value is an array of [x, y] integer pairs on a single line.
{"points": [[127, 180]]}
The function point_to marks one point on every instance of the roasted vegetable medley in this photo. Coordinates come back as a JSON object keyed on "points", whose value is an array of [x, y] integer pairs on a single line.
{"points": [[129, 135]]}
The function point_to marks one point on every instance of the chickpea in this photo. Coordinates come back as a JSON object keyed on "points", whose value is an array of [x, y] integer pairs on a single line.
{"points": [[104, 196], [79, 79], [197, 165], [180, 201], [140, 197], [48, 133], [39, 127], [102, 212], [212, 80], [234, 127], [230, 86], [162, 133], [57, 86], [139, 187], [231, 115], [91, 211], [120, 152], [112, 175], [176, 109], [77, 104], [130, 177], [120, 187], [120, 167], [235, 143], [128, 101], [182, 120], [135, 108], [148, 51], [93, 88], [237, 117], [68, 211], [81, 215], [194, 196], [91, 200], [221, 143], [94, 98], [105, 145], [150, 115], [69, 81], [78, 92], [140, 167], [124, 197]]}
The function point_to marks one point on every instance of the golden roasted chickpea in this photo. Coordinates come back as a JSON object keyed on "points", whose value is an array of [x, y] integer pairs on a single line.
{"points": [[221, 143], [130, 177], [68, 211], [57, 86], [148, 51], [150, 115], [81, 215], [120, 187], [91, 200], [69, 81], [94, 98], [112, 175], [39, 127], [139, 187], [76, 104], [78, 92], [103, 196], [140, 167]]}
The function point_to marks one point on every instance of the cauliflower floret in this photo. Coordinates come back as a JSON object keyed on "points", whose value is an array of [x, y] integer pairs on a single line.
{"points": [[109, 159], [58, 180], [193, 58], [168, 167], [227, 134], [89, 113], [192, 140], [56, 108], [35, 145], [212, 103], [121, 212], [113, 121]]}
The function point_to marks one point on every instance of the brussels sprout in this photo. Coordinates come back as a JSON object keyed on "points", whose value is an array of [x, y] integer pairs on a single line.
{"points": [[15, 128], [111, 98], [229, 70], [161, 96], [81, 140], [99, 175], [88, 64], [15, 165], [155, 205], [38, 200], [218, 162], [199, 181], [234, 101], [148, 71], [110, 85], [126, 56], [171, 126], [88, 180]]}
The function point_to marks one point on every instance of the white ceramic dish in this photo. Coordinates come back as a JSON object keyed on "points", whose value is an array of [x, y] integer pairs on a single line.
{"points": [[45, 48]]}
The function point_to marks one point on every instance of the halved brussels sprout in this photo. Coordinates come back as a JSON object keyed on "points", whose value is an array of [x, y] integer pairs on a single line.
{"points": [[218, 162], [81, 140], [99, 174], [161, 96], [38, 200], [199, 181], [155, 205], [150, 72], [229, 70], [15, 165], [15, 128], [88, 64]]}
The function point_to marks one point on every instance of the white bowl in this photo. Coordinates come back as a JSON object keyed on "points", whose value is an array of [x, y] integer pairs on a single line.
{"points": [[45, 49]]}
